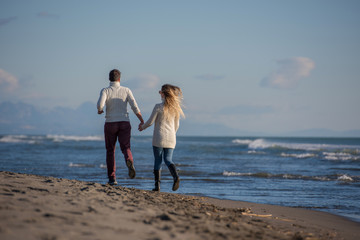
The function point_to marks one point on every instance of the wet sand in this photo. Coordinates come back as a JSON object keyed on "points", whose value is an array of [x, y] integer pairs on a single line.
{"points": [[36, 207]]}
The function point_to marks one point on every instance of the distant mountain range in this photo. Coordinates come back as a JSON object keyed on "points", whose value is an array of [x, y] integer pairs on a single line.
{"points": [[321, 132], [22, 118]]}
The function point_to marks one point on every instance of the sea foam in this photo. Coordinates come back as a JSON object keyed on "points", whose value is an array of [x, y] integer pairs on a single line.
{"points": [[302, 155], [262, 143], [20, 139], [33, 139], [345, 178], [61, 138]]}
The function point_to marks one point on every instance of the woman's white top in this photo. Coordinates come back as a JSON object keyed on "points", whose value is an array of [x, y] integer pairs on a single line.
{"points": [[164, 130]]}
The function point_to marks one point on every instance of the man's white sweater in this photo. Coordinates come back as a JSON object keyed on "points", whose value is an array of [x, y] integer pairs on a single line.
{"points": [[116, 98]]}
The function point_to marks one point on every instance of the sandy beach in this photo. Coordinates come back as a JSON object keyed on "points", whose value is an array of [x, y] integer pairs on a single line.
{"points": [[37, 207]]}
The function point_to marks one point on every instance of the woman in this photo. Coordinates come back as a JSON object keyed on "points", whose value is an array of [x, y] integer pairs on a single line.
{"points": [[166, 116]]}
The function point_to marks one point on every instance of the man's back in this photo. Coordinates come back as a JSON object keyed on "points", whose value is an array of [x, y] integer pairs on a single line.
{"points": [[115, 98]]}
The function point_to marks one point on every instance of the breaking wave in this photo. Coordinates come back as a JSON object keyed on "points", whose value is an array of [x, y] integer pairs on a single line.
{"points": [[61, 138], [340, 156], [80, 165], [84, 165], [28, 139], [335, 177], [242, 141], [302, 155], [328, 151], [261, 143], [19, 139]]}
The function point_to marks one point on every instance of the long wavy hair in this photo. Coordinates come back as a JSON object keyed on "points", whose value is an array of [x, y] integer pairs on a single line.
{"points": [[172, 101]]}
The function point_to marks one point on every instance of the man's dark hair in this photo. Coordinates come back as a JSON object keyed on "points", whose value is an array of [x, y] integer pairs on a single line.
{"points": [[114, 75]]}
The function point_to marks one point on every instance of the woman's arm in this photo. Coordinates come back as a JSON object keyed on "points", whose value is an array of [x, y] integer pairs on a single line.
{"points": [[176, 123], [151, 119]]}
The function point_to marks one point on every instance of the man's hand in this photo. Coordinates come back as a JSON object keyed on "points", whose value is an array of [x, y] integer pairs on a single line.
{"points": [[140, 127]]}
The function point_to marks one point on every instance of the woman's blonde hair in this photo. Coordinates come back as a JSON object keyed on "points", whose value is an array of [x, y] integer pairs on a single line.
{"points": [[172, 101]]}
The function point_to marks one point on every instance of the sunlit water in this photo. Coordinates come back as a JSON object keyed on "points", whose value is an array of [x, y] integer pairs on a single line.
{"points": [[315, 173]]}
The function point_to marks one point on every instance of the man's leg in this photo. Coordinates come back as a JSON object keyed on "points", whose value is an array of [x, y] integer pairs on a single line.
{"points": [[124, 136], [110, 131]]}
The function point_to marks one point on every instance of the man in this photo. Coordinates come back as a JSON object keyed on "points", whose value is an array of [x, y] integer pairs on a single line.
{"points": [[117, 123]]}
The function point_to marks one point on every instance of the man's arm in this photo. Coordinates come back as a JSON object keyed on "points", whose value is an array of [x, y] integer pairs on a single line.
{"points": [[140, 118], [132, 102], [101, 102]]}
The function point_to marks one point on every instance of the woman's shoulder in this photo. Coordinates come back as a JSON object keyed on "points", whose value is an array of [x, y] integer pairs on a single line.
{"points": [[159, 106]]}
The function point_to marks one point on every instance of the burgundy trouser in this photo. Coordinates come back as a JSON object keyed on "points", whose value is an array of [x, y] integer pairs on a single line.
{"points": [[114, 131]]}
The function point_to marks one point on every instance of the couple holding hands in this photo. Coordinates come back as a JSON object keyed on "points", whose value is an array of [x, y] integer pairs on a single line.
{"points": [[165, 116]]}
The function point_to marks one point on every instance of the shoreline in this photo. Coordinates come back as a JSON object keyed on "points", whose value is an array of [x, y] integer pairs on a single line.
{"points": [[214, 200], [38, 207], [309, 219]]}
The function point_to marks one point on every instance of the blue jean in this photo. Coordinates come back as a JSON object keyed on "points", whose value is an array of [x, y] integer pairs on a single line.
{"points": [[159, 154]]}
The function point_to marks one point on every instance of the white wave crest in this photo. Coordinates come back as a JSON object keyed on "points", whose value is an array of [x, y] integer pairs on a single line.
{"points": [[19, 139], [345, 178], [62, 138], [80, 165], [253, 144], [339, 156], [260, 144], [242, 141], [226, 173], [39, 139], [287, 176], [302, 155]]}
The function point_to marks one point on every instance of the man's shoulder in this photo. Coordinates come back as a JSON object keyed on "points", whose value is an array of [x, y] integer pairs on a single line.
{"points": [[105, 89], [125, 88], [122, 88]]}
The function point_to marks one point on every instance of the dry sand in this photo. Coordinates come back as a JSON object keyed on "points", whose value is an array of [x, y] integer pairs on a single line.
{"points": [[36, 207]]}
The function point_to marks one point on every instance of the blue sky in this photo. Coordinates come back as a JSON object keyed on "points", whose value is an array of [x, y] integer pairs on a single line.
{"points": [[266, 66]]}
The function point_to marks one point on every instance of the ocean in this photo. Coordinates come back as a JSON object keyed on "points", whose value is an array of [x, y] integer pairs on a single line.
{"points": [[315, 173]]}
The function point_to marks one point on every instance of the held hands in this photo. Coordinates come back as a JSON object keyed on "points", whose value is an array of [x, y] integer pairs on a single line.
{"points": [[141, 121], [140, 126]]}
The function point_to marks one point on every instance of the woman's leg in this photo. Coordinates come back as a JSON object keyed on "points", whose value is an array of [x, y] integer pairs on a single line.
{"points": [[168, 153], [158, 155]]}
